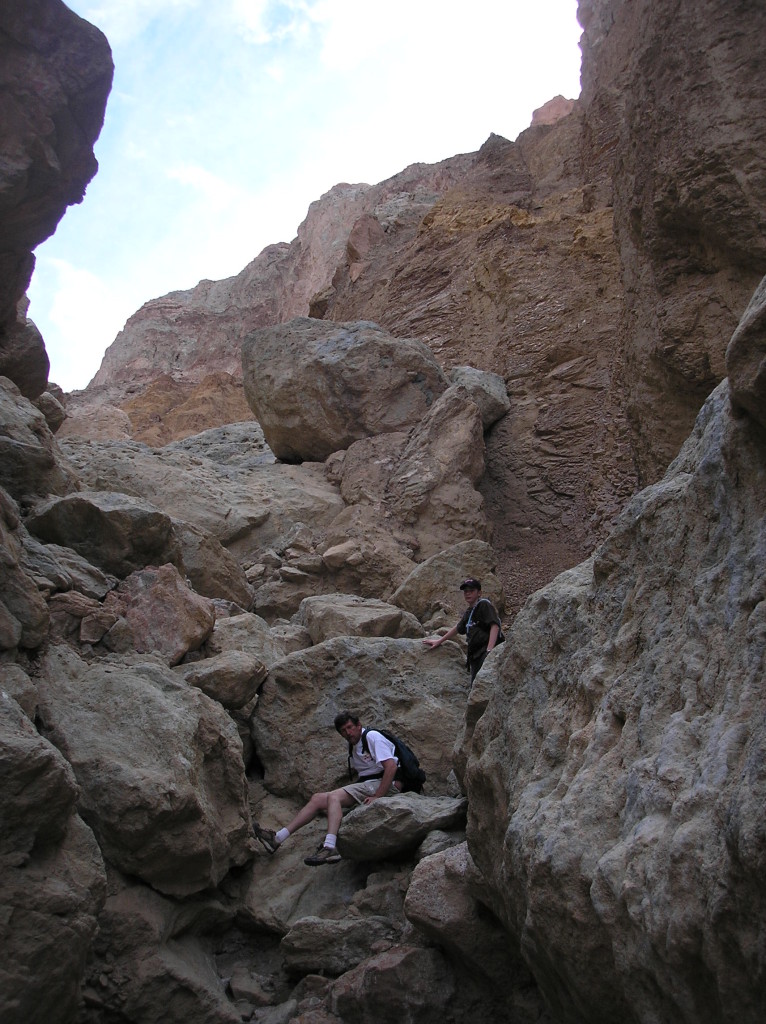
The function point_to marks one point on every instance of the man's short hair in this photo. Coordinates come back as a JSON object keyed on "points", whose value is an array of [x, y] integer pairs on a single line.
{"points": [[342, 718]]}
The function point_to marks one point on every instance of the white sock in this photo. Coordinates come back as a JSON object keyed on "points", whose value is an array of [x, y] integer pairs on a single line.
{"points": [[330, 841], [281, 835]]}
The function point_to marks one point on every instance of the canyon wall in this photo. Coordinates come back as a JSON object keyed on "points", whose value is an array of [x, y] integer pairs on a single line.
{"points": [[188, 595]]}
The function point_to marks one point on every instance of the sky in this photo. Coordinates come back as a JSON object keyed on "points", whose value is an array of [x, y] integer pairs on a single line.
{"points": [[227, 119]]}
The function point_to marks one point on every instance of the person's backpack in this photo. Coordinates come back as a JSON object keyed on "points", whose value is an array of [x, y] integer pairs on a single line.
{"points": [[409, 772]]}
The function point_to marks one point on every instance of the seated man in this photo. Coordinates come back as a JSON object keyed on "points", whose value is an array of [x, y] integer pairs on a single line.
{"points": [[373, 758]]}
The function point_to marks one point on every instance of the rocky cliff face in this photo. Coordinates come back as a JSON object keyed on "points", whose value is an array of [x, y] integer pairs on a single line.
{"points": [[55, 75], [183, 612]]}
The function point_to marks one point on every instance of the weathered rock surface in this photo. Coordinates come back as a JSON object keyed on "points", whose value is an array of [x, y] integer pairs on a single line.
{"points": [[156, 612], [746, 359], [117, 532], [316, 387], [159, 766], [615, 799], [232, 678], [52, 882], [46, 137], [390, 683], [398, 824], [31, 463], [329, 615], [24, 615]]}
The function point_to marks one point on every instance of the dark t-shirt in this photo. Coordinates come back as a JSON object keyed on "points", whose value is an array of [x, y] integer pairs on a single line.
{"points": [[475, 625]]}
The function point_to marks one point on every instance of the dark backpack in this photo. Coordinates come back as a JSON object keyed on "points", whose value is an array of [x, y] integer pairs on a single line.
{"points": [[409, 772]]}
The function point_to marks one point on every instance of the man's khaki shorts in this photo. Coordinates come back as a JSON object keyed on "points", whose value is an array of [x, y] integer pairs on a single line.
{"points": [[361, 790]]}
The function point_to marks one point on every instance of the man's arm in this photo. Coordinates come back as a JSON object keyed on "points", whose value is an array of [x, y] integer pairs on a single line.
{"points": [[389, 771], [494, 632], [435, 641]]}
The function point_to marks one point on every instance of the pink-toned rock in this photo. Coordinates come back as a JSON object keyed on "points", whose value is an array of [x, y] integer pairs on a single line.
{"points": [[157, 613]]}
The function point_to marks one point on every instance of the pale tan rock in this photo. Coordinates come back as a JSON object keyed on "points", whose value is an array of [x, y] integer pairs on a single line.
{"points": [[160, 614], [620, 729], [95, 422], [249, 633], [389, 683], [330, 615], [746, 359], [52, 409], [232, 678], [280, 889], [432, 588], [212, 570], [316, 387], [159, 766], [398, 824], [115, 531], [152, 961]]}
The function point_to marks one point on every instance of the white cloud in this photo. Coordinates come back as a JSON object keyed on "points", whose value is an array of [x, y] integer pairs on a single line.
{"points": [[83, 309]]}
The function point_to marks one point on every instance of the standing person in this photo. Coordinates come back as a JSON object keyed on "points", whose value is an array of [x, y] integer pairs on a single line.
{"points": [[374, 760], [480, 625]]}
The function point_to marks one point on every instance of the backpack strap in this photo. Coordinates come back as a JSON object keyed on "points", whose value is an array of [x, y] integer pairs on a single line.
{"points": [[365, 747]]}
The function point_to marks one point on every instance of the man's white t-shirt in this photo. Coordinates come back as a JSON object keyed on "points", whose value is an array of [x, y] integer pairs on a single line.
{"points": [[381, 750]]}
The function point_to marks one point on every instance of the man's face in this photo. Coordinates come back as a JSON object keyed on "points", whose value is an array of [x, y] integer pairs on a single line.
{"points": [[350, 732], [471, 595]]}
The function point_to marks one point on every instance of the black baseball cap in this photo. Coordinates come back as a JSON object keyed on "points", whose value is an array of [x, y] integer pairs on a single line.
{"points": [[470, 584]]}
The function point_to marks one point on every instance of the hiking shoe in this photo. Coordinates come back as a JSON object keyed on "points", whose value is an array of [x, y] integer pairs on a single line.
{"points": [[324, 855], [266, 836]]}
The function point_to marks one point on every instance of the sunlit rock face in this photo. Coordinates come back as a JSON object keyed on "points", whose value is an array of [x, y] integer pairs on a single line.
{"points": [[47, 132]]}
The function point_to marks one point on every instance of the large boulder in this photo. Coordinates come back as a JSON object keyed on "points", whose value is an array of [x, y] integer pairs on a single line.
{"points": [[329, 615], [424, 483], [406, 983], [156, 613], [431, 591], [316, 386], [52, 881], [616, 794], [389, 683], [398, 824], [159, 766], [116, 532]]}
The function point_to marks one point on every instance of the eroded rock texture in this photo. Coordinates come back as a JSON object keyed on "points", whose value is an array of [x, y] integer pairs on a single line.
{"points": [[180, 624], [615, 779]]}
